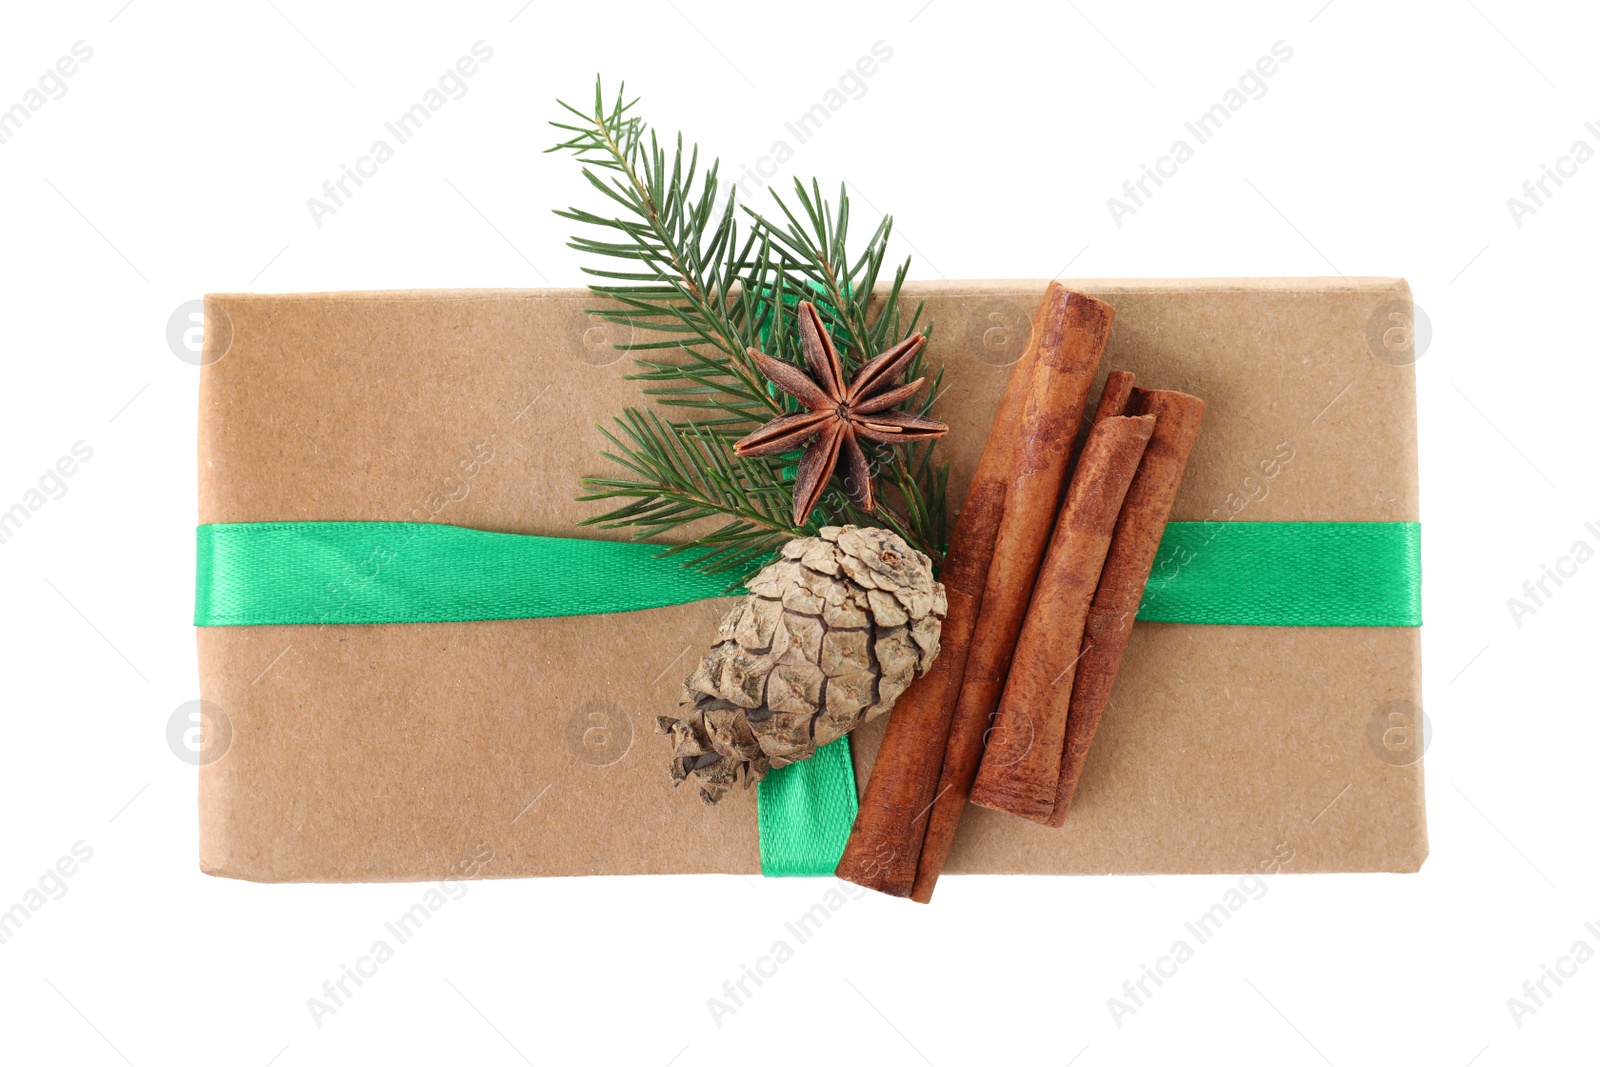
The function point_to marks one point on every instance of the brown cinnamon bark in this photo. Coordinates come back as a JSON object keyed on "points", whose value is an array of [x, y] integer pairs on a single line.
{"points": [[1127, 569], [887, 837], [1021, 764], [1070, 346]]}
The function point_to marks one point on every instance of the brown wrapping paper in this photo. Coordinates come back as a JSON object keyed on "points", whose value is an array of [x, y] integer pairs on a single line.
{"points": [[409, 752]]}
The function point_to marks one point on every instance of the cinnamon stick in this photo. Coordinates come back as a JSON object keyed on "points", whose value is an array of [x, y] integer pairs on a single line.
{"points": [[1127, 568], [886, 840], [1021, 764], [1114, 395], [1069, 353]]}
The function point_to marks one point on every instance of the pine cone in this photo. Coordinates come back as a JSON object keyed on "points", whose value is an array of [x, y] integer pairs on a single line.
{"points": [[827, 639]]}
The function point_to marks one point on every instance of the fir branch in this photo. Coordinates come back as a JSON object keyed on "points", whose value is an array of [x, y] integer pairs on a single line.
{"points": [[703, 296]]}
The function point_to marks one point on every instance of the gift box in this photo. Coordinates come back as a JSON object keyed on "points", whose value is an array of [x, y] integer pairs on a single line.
{"points": [[339, 751]]}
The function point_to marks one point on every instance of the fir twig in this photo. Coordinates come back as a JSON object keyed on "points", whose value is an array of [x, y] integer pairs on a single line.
{"points": [[684, 276]]}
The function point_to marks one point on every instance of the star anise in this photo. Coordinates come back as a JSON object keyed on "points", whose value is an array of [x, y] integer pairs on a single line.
{"points": [[837, 415]]}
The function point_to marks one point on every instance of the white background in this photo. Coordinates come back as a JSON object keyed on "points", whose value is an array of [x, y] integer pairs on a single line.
{"points": [[179, 161]]}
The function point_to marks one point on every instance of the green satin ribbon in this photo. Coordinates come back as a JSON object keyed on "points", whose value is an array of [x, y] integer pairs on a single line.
{"points": [[804, 813], [314, 573], [321, 573], [1287, 574]]}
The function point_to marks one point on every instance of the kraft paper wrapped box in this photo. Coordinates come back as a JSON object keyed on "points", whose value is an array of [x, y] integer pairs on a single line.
{"points": [[410, 751]]}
